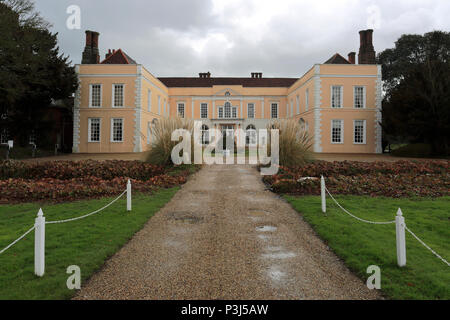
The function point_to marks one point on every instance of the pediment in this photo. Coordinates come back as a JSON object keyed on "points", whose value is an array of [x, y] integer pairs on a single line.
{"points": [[222, 92]]}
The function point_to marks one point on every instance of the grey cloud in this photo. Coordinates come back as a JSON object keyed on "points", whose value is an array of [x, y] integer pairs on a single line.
{"points": [[233, 38]]}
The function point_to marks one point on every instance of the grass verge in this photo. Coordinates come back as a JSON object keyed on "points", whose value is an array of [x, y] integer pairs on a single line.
{"points": [[361, 245], [86, 243]]}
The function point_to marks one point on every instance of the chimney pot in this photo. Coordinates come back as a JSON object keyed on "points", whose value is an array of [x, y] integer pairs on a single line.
{"points": [[352, 57]]}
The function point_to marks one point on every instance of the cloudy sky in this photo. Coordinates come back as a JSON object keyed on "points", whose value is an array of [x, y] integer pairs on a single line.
{"points": [[281, 38]]}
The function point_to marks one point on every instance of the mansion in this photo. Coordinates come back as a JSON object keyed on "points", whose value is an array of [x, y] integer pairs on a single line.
{"points": [[118, 101]]}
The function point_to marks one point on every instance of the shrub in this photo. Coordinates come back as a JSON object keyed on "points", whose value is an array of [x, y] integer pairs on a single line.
{"points": [[418, 150], [390, 179], [67, 180], [295, 142], [66, 170], [161, 151]]}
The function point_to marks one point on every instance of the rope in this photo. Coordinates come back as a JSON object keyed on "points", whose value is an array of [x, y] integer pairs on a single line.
{"points": [[87, 215], [362, 220], [18, 239], [389, 222], [424, 244]]}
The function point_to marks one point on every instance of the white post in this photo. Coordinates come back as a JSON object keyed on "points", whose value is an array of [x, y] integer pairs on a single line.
{"points": [[400, 237], [322, 193], [39, 244], [129, 195]]}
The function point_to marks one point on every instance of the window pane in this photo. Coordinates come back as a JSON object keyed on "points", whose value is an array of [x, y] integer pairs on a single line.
{"points": [[251, 110], [274, 110], [359, 97], [359, 131], [181, 110], [220, 112], [117, 130], [118, 95], [94, 130], [336, 134], [336, 97], [227, 110], [96, 95], [204, 110]]}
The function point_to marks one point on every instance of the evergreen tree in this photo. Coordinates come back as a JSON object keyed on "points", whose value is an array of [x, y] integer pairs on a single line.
{"points": [[33, 73], [416, 75]]}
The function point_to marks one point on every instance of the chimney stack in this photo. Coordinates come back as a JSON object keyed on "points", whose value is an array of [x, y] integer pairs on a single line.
{"points": [[352, 57], [366, 50], [91, 53], [205, 75]]}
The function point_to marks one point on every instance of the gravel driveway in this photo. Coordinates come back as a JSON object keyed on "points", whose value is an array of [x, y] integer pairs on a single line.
{"points": [[223, 236]]}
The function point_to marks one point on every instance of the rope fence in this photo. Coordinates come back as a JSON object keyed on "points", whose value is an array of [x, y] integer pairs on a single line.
{"points": [[399, 222], [89, 214], [17, 240], [39, 227]]}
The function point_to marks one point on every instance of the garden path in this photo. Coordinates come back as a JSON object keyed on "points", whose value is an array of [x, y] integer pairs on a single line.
{"points": [[224, 236]]}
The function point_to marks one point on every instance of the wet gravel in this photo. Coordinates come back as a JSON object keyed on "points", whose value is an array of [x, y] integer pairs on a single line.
{"points": [[223, 236]]}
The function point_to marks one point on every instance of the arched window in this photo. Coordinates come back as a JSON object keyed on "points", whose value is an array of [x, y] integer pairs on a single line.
{"points": [[250, 138], [227, 110], [205, 134]]}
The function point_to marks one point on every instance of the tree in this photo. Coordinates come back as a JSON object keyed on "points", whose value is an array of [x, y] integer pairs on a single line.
{"points": [[32, 71], [416, 75]]}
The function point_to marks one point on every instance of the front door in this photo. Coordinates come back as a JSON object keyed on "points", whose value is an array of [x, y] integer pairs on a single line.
{"points": [[227, 134]]}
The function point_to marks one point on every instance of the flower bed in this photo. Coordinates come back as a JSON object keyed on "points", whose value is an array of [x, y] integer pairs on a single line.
{"points": [[65, 170], [67, 180], [390, 179]]}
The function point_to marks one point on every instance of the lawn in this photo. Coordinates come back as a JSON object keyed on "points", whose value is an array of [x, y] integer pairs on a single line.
{"points": [[86, 243], [361, 244]]}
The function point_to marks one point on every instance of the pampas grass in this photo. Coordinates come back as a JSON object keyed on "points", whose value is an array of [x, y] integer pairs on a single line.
{"points": [[162, 146], [295, 142]]}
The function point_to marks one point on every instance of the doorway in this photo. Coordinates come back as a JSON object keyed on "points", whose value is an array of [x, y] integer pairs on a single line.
{"points": [[227, 134]]}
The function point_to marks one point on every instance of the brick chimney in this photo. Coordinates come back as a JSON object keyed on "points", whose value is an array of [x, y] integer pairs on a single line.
{"points": [[352, 57], [366, 50], [91, 54]]}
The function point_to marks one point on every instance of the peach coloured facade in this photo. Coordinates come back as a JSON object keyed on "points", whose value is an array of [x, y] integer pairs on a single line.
{"points": [[308, 100]]}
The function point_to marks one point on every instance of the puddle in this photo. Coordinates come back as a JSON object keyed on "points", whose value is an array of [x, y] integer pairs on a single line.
{"points": [[272, 249], [266, 229], [279, 255], [276, 274], [184, 217]]}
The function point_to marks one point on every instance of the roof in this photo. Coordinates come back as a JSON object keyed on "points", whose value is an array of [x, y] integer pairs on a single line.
{"points": [[118, 57], [187, 82], [337, 59]]}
